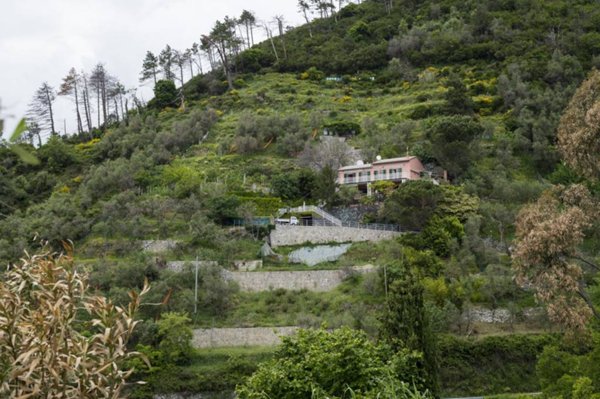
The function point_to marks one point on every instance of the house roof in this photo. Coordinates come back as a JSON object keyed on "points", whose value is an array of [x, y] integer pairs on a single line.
{"points": [[394, 160], [381, 162], [356, 167]]}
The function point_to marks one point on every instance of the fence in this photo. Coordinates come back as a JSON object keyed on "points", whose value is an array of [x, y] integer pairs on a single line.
{"points": [[328, 220], [355, 225], [314, 209]]}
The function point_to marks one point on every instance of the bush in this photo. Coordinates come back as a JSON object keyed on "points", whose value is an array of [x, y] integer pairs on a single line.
{"points": [[254, 59], [57, 155], [359, 31], [343, 128], [412, 204], [320, 364], [175, 338], [165, 94], [453, 142], [490, 365], [313, 74]]}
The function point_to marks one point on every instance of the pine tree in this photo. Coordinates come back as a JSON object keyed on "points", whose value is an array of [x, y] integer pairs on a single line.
{"points": [[40, 109], [149, 67], [197, 57], [223, 39], [304, 8], [165, 60], [249, 21], [457, 98], [70, 87], [98, 82]]}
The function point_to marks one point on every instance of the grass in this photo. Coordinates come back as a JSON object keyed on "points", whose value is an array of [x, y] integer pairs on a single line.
{"points": [[354, 304], [206, 360], [210, 370]]}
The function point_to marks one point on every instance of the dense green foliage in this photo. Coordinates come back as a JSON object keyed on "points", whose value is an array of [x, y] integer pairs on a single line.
{"points": [[569, 371], [338, 364], [165, 94], [490, 365], [475, 88], [405, 322]]}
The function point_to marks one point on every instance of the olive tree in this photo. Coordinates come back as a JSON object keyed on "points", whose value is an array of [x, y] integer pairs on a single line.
{"points": [[549, 233], [57, 339]]}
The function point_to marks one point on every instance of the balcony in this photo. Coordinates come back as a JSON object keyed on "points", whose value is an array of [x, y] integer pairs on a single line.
{"points": [[372, 178]]}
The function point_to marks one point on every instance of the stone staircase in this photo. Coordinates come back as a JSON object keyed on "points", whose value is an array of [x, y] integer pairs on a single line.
{"points": [[314, 209]]}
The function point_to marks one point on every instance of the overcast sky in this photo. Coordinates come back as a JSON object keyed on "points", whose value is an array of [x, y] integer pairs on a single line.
{"points": [[40, 40]]}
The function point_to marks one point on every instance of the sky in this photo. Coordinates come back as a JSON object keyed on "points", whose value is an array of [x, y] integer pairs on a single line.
{"points": [[40, 40]]}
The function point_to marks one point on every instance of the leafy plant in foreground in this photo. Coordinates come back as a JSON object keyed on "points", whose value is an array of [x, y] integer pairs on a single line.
{"points": [[58, 340]]}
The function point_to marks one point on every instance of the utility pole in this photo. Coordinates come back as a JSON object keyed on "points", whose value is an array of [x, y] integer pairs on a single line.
{"points": [[196, 289]]}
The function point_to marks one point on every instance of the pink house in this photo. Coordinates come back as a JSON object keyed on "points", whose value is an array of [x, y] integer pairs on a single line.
{"points": [[394, 169]]}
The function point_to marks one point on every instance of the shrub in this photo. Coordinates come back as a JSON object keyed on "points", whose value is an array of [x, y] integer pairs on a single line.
{"points": [[412, 204], [490, 365], [175, 338], [320, 364], [359, 31], [343, 128], [165, 94], [43, 301], [313, 74]]}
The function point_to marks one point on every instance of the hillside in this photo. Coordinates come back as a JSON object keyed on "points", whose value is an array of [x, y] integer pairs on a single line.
{"points": [[475, 88]]}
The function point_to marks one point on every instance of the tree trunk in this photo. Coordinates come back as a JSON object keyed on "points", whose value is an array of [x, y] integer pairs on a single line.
{"points": [[586, 298], [154, 75], [270, 36], [49, 110], [98, 104], [79, 123], [181, 73], [222, 51], [211, 59], [86, 102], [200, 64], [252, 34], [241, 33], [116, 108], [308, 23], [248, 33], [104, 100], [121, 104], [191, 67], [86, 111], [284, 49]]}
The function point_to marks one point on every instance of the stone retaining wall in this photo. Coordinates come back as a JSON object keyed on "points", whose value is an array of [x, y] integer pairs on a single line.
{"points": [[312, 280], [201, 395], [296, 235], [158, 246], [223, 337], [177, 265]]}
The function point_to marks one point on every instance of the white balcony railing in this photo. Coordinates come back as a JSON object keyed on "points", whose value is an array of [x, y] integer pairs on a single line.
{"points": [[368, 179]]}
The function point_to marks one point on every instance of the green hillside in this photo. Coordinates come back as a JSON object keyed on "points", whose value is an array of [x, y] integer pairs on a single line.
{"points": [[476, 88]]}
